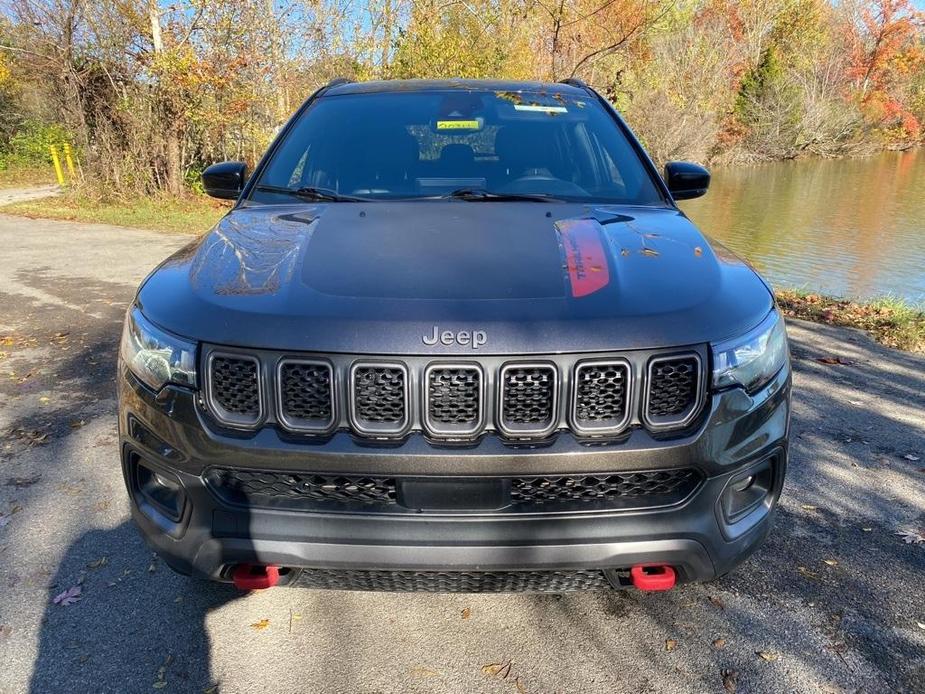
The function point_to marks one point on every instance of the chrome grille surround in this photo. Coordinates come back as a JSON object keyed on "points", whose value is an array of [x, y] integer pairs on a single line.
{"points": [[228, 416], [681, 419], [527, 429], [599, 426], [375, 427], [443, 429], [305, 424]]}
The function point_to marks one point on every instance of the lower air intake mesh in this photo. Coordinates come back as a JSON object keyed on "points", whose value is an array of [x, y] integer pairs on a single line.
{"points": [[454, 581]]}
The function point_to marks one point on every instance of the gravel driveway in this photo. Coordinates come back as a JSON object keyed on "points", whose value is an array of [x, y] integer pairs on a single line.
{"points": [[833, 602]]}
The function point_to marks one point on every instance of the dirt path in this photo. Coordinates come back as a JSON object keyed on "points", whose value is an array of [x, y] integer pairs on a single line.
{"points": [[11, 195], [833, 602]]}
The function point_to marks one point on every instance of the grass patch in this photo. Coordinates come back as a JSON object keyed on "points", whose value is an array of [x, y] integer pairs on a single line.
{"points": [[892, 322], [193, 215], [24, 177]]}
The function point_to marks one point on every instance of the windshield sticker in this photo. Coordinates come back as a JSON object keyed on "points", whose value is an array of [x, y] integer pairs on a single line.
{"points": [[540, 109], [585, 258], [458, 125]]}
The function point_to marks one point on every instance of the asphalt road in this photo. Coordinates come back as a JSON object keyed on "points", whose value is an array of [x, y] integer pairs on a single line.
{"points": [[833, 602]]}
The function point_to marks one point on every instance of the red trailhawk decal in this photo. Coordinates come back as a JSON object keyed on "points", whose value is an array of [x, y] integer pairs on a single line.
{"points": [[585, 258]]}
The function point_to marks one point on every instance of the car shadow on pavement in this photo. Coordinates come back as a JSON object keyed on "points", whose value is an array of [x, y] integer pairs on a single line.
{"points": [[137, 626]]}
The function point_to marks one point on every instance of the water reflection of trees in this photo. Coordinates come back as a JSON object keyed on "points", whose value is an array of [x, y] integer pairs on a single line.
{"points": [[840, 226]]}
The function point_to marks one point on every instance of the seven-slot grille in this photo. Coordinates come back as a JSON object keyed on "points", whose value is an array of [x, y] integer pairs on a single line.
{"points": [[529, 396], [379, 398], [306, 394], [454, 400]]}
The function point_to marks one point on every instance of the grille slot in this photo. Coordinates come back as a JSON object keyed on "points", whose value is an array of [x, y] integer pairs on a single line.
{"points": [[455, 581], [306, 395], [379, 398], [453, 399], [657, 487], [673, 393], [529, 399], [299, 490], [233, 390], [601, 397]]}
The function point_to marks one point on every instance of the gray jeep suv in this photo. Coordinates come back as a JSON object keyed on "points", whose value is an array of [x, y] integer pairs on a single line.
{"points": [[454, 336]]}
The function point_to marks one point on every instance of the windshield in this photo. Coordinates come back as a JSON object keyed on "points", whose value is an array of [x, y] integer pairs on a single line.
{"points": [[433, 144]]}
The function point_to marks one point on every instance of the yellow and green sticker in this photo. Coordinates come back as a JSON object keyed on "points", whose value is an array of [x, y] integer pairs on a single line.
{"points": [[458, 125]]}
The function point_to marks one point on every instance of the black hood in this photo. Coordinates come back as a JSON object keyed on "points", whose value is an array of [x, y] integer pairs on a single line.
{"points": [[378, 277]]}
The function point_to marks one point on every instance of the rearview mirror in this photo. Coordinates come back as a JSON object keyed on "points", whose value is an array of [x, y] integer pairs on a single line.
{"points": [[686, 180], [225, 180]]}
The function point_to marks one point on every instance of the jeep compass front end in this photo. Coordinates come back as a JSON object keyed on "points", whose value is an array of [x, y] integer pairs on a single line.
{"points": [[454, 336]]}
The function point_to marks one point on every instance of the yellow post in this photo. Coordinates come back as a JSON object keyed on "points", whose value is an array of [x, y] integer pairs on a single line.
{"points": [[57, 162], [69, 161]]}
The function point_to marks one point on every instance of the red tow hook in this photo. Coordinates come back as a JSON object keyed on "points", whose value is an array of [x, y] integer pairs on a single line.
{"points": [[653, 577], [255, 576]]}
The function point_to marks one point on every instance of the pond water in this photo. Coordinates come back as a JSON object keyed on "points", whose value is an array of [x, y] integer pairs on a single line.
{"points": [[850, 227]]}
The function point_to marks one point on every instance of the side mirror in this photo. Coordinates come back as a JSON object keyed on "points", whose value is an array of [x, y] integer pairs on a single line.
{"points": [[686, 180], [225, 180]]}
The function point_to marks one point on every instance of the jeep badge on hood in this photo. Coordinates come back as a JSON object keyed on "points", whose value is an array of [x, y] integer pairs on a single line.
{"points": [[463, 338]]}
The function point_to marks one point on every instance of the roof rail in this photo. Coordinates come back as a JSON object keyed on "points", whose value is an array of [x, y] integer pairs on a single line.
{"points": [[575, 82], [337, 81]]}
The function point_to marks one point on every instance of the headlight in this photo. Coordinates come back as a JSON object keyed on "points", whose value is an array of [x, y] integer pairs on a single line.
{"points": [[154, 356], [751, 360]]}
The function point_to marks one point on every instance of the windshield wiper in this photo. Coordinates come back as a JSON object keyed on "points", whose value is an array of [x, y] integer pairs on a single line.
{"points": [[482, 195], [312, 193]]}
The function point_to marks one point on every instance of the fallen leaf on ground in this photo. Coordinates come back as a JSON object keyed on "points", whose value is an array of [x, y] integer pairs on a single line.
{"points": [[211, 690], [921, 625], [420, 671], [808, 507], [102, 561], [834, 360], [913, 458], [670, 645], [466, 613], [911, 537], [22, 482], [812, 575], [730, 680], [830, 562], [262, 624], [719, 643], [717, 602], [769, 656], [499, 670], [6, 630], [521, 687], [68, 597]]}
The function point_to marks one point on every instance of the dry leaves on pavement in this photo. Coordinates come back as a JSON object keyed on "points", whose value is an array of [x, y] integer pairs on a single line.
{"points": [[68, 597]]}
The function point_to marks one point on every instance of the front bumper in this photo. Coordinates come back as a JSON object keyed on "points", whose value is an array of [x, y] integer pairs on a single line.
{"points": [[207, 537]]}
